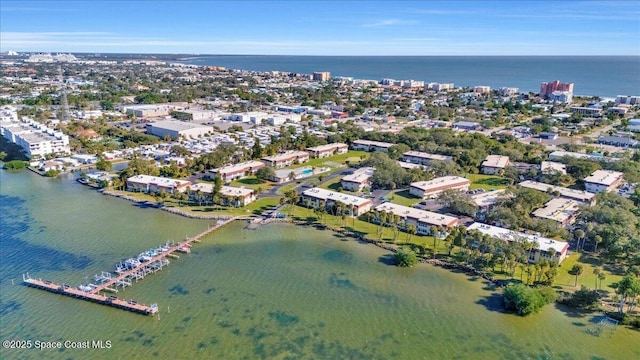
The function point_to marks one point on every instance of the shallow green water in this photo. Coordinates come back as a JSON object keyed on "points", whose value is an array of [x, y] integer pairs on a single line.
{"points": [[275, 293]]}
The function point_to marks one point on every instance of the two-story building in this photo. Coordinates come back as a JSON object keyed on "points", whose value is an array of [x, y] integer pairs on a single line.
{"points": [[425, 221], [327, 150], [286, 159], [237, 171], [422, 158], [357, 181], [371, 146], [316, 196], [603, 181], [432, 188], [494, 164], [154, 184]]}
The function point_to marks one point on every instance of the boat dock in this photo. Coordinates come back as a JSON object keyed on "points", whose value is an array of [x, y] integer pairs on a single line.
{"points": [[124, 276]]}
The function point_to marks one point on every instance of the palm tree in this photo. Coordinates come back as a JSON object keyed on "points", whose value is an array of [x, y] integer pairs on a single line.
{"points": [[596, 272], [411, 230], [578, 235], [576, 270], [601, 277]]}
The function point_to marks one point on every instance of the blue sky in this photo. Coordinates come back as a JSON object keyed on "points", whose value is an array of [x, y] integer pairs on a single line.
{"points": [[324, 27]]}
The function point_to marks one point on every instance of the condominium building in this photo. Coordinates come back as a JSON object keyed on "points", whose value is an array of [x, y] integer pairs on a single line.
{"points": [[546, 88], [321, 76], [315, 196], [35, 139], [422, 158], [327, 150], [432, 188], [237, 171], [368, 145], [580, 196], [486, 200], [230, 195], [357, 181], [494, 164], [424, 221], [586, 111], [603, 181], [562, 211], [482, 90], [628, 100], [154, 184], [547, 249], [286, 159], [550, 167]]}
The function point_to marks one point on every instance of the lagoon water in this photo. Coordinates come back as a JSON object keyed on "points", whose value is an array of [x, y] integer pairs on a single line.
{"points": [[280, 292]]}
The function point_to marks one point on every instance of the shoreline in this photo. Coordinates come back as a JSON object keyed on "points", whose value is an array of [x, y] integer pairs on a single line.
{"points": [[467, 269]]}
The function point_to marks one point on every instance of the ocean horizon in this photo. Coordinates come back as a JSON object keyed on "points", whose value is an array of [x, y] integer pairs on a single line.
{"points": [[604, 76]]}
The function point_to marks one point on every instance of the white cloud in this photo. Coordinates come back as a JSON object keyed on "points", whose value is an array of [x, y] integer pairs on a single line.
{"points": [[387, 22]]}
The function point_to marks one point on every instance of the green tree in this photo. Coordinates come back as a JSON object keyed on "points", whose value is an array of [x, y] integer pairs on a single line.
{"points": [[405, 257], [526, 300], [627, 289], [266, 173], [576, 270], [103, 164]]}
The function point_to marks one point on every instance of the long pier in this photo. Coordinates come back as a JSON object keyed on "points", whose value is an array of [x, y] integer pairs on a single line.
{"points": [[123, 278]]}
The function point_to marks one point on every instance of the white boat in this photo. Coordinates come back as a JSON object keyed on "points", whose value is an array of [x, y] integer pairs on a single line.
{"points": [[144, 257], [86, 288], [132, 263]]}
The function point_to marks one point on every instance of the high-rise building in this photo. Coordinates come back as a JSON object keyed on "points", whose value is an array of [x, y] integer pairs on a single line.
{"points": [[321, 76], [547, 88]]}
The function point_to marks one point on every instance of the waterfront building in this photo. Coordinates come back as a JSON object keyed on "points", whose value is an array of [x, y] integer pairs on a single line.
{"points": [[424, 221], [316, 196], [371, 146], [286, 159], [153, 184], [237, 171], [603, 181], [230, 195], [357, 181], [481, 90], [563, 97], [628, 100], [562, 211], [422, 158], [177, 129], [439, 87], [581, 196], [327, 150], [547, 249], [494, 164], [432, 188], [321, 76], [509, 91], [547, 88], [35, 139]]}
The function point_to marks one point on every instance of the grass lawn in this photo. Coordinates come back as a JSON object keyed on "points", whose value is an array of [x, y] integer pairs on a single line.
{"points": [[487, 182], [402, 197], [333, 184], [587, 278], [252, 182], [352, 156], [287, 187], [255, 208]]}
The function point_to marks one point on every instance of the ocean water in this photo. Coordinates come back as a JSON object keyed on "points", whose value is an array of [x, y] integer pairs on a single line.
{"points": [[279, 292], [606, 76]]}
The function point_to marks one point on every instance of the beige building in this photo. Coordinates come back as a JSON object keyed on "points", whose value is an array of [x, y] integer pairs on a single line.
{"points": [[230, 195], [327, 150], [286, 159], [371, 146], [424, 221], [494, 164], [603, 181], [580, 196], [357, 181], [315, 196], [432, 188], [154, 184], [237, 171], [562, 211], [422, 158]]}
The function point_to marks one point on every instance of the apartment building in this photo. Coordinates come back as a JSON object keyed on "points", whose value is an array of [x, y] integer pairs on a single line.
{"points": [[230, 195], [357, 181], [424, 221], [371, 146], [154, 184], [580, 196], [237, 171], [327, 150], [562, 211], [286, 159], [315, 196], [422, 158], [547, 249], [432, 188], [35, 139], [603, 181], [494, 164]]}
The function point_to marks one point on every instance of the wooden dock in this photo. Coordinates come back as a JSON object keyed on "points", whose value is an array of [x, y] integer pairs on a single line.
{"points": [[123, 278]]}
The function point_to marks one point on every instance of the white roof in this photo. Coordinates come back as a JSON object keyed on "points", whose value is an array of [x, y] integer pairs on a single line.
{"points": [[327, 147], [424, 155], [156, 180], [407, 165], [238, 167], [557, 210], [361, 175], [441, 182], [604, 177], [578, 195], [176, 125], [324, 194], [546, 166], [424, 216], [224, 190], [487, 198], [286, 156], [374, 143], [496, 161], [545, 244]]}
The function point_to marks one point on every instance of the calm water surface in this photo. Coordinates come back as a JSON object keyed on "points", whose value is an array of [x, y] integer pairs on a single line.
{"points": [[280, 292]]}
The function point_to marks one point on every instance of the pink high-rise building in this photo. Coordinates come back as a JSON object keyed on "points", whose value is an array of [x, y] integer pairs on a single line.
{"points": [[546, 88]]}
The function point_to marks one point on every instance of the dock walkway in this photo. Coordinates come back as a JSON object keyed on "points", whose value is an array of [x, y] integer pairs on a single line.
{"points": [[123, 278]]}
